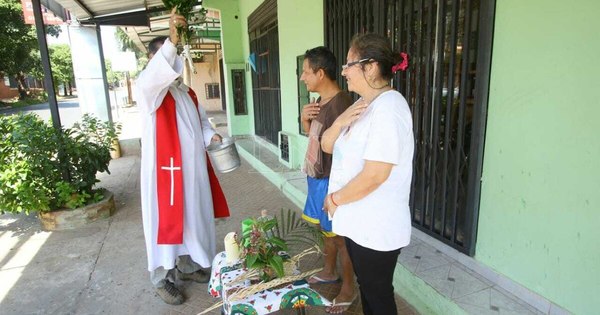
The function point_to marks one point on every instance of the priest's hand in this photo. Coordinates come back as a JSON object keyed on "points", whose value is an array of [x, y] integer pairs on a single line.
{"points": [[216, 138], [175, 21]]}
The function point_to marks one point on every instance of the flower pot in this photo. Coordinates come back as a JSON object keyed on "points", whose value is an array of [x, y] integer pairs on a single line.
{"points": [[65, 219], [115, 151]]}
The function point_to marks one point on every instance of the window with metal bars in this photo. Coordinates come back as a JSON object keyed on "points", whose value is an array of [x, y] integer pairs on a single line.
{"points": [[449, 44], [239, 91], [212, 90], [264, 48]]}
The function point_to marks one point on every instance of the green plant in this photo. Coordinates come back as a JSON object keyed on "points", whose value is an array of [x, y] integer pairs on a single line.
{"points": [[296, 231], [35, 157], [263, 239], [186, 8]]}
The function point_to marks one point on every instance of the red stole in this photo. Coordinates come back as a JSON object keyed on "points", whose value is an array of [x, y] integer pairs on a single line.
{"points": [[169, 177]]}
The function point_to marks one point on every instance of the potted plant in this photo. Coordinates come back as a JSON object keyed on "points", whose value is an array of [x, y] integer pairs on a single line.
{"points": [[265, 240], [45, 170]]}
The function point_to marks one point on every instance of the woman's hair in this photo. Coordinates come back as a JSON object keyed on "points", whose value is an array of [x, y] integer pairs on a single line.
{"points": [[322, 58], [378, 48]]}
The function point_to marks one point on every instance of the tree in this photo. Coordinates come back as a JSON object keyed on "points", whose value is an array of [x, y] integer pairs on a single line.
{"points": [[62, 65], [126, 44], [112, 77], [17, 41]]}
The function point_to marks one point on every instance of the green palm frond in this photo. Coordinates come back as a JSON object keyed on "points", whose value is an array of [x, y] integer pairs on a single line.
{"points": [[291, 228]]}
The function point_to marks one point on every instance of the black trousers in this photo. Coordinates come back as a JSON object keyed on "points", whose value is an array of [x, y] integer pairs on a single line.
{"points": [[374, 272]]}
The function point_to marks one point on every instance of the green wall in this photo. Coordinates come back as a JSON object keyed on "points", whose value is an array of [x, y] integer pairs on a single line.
{"points": [[539, 222], [296, 35], [300, 28], [234, 46]]}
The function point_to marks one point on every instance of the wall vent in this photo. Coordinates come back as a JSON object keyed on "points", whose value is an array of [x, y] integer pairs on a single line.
{"points": [[285, 146]]}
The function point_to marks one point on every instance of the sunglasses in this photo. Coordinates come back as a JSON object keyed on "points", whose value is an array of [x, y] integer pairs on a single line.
{"points": [[350, 64]]}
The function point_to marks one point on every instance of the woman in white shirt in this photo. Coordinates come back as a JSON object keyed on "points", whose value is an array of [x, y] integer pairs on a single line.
{"points": [[369, 187]]}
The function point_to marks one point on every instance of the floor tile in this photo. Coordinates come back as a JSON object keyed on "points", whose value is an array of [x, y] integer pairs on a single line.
{"points": [[464, 283], [429, 258]]}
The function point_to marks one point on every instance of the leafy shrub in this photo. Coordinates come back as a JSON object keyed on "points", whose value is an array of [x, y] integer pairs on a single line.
{"points": [[34, 159]]}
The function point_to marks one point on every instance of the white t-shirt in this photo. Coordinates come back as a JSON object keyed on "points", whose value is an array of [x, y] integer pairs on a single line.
{"points": [[381, 220]]}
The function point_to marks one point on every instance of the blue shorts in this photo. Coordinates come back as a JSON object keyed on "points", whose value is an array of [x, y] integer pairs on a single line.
{"points": [[313, 209]]}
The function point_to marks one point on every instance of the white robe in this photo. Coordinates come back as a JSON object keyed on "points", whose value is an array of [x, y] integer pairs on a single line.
{"points": [[199, 226]]}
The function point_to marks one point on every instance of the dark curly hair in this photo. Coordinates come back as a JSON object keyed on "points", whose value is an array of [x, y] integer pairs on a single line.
{"points": [[155, 44], [378, 48], [322, 58]]}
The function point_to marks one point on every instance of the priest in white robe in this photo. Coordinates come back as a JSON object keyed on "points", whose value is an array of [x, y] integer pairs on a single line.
{"points": [[176, 196]]}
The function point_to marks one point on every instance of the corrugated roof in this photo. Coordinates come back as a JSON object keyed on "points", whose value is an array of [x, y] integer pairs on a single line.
{"points": [[144, 20], [90, 9]]}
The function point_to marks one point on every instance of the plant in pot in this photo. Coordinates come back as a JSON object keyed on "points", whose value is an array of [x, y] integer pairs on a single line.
{"points": [[42, 169], [265, 239]]}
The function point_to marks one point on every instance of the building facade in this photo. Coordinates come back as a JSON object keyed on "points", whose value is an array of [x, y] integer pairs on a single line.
{"points": [[501, 92]]}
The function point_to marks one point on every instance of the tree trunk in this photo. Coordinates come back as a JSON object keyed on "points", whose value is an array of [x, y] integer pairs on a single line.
{"points": [[65, 88], [129, 99], [70, 89], [21, 85]]}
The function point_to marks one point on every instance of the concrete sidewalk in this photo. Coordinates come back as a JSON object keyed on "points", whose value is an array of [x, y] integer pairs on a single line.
{"points": [[101, 268]]}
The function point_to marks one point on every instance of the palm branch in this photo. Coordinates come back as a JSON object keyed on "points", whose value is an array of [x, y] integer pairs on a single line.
{"points": [[294, 230]]}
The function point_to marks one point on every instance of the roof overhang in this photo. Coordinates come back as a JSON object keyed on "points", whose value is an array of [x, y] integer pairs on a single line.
{"points": [[143, 20], [105, 12]]}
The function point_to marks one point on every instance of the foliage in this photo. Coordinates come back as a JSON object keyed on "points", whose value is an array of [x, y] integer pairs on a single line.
{"points": [[296, 231], [17, 42], [16, 38], [185, 8], [61, 63], [126, 44], [31, 172], [264, 237], [113, 78]]}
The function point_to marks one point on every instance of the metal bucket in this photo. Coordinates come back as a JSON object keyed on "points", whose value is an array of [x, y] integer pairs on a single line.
{"points": [[224, 155]]}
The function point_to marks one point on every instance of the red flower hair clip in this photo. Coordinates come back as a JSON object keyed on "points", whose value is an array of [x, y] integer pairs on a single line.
{"points": [[401, 65]]}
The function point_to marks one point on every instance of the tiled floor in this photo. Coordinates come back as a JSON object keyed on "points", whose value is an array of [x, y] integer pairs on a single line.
{"points": [[470, 291]]}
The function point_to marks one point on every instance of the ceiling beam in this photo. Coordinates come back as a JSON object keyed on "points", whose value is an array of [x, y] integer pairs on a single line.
{"points": [[84, 8]]}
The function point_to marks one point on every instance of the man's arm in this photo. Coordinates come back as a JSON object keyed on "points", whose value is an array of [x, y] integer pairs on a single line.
{"points": [[162, 69]]}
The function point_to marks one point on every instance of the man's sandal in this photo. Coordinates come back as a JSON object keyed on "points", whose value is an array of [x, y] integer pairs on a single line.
{"points": [[317, 280]]}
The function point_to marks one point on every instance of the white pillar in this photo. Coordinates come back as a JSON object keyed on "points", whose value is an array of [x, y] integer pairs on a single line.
{"points": [[90, 73]]}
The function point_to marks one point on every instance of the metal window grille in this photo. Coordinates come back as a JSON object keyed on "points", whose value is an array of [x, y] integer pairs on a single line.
{"points": [[446, 86], [264, 46], [239, 92], [212, 90], [284, 147]]}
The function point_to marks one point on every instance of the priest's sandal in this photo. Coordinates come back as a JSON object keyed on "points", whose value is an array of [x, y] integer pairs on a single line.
{"points": [[199, 276], [170, 294]]}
